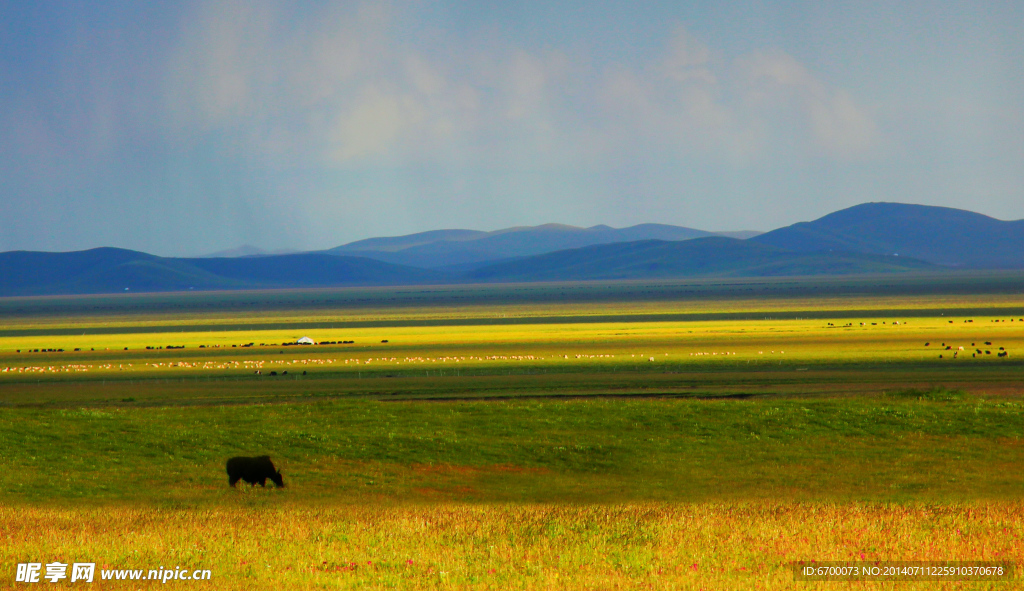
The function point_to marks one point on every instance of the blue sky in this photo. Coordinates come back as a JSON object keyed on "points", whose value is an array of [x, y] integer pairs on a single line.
{"points": [[181, 128]]}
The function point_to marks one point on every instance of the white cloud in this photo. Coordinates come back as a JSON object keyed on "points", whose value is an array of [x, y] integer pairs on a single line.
{"points": [[739, 110], [373, 124], [532, 83], [678, 102], [687, 57], [778, 85], [338, 87], [425, 78], [218, 70]]}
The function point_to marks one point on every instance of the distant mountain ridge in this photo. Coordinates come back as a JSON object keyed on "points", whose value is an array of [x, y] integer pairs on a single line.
{"points": [[460, 248], [396, 243], [865, 239], [114, 270], [940, 235], [715, 256], [247, 250]]}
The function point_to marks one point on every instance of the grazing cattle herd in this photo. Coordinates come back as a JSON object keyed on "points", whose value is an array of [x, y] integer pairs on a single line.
{"points": [[1001, 353]]}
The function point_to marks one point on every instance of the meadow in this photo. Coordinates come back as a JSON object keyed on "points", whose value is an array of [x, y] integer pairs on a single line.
{"points": [[622, 436]]}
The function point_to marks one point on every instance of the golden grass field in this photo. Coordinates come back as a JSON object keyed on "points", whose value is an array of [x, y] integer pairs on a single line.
{"points": [[558, 459], [747, 545]]}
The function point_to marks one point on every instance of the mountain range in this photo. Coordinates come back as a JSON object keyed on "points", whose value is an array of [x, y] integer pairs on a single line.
{"points": [[460, 249], [701, 257], [939, 235], [864, 239], [111, 270]]}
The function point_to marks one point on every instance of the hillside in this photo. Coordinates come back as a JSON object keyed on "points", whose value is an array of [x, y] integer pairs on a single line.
{"points": [[112, 270], [397, 243], [702, 257], [940, 235], [461, 248]]}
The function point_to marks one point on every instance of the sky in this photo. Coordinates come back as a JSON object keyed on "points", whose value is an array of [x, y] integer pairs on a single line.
{"points": [[184, 128]]}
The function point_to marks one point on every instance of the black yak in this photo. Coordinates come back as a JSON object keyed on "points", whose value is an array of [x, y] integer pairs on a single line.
{"points": [[253, 470]]}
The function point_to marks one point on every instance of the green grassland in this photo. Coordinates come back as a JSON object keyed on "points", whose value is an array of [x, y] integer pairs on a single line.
{"points": [[935, 446], [779, 387], [561, 436]]}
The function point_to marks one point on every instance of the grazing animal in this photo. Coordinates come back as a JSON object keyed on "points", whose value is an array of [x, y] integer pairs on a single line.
{"points": [[253, 470]]}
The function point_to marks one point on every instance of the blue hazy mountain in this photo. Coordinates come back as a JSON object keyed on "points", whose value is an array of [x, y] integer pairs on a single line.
{"points": [[716, 256], [465, 248], [110, 270], [940, 235], [866, 239]]}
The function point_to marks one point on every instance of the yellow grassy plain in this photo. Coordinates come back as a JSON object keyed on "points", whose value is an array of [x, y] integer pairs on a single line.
{"points": [[509, 546]]}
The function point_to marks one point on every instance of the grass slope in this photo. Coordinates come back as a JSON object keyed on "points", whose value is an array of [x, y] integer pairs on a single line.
{"points": [[314, 270]]}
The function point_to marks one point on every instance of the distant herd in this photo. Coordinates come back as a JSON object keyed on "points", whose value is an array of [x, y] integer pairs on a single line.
{"points": [[1002, 352], [244, 346]]}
